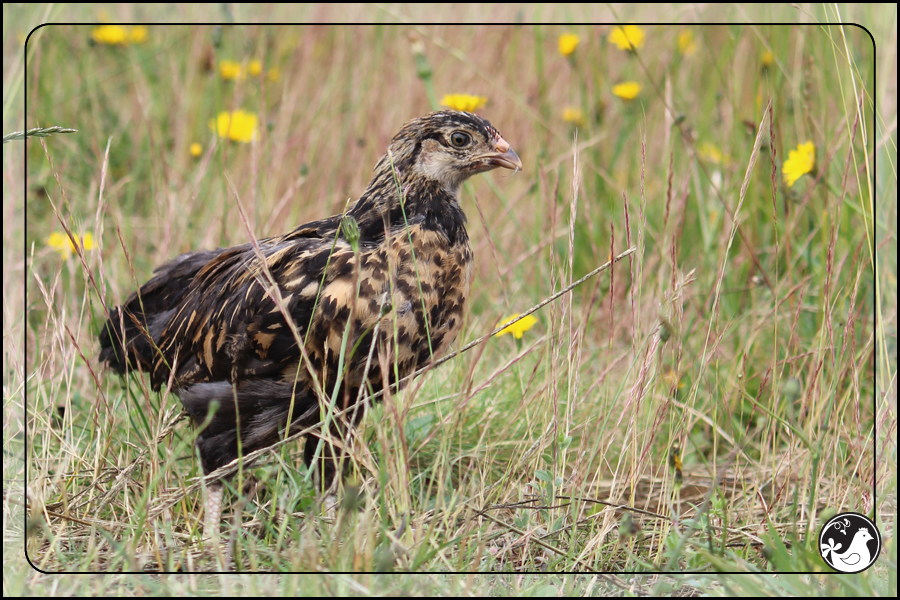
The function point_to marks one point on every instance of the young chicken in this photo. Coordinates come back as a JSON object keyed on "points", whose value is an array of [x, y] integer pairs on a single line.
{"points": [[212, 322]]}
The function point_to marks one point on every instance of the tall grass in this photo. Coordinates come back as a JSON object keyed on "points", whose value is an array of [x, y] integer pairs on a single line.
{"points": [[702, 406]]}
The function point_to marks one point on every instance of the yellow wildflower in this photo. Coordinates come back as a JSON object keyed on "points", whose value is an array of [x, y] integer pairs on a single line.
{"points": [[112, 35], [62, 244], [573, 115], [517, 328], [567, 43], [464, 102], [196, 149], [709, 153], [627, 90], [671, 378], [239, 126], [627, 37], [800, 162], [137, 35], [767, 59], [686, 44], [230, 69], [675, 463], [116, 35]]}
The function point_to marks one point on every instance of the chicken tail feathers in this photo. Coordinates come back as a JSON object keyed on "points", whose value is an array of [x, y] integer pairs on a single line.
{"points": [[129, 337]]}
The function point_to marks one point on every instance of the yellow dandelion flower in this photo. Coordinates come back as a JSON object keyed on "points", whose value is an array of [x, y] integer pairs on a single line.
{"points": [[239, 126], [627, 37], [627, 90], [686, 44], [255, 68], [573, 115], [671, 378], [230, 69], [800, 162], [709, 153], [567, 43], [137, 35], [675, 463], [196, 149], [767, 59], [463, 102], [61, 243], [517, 328], [273, 74], [113, 35]]}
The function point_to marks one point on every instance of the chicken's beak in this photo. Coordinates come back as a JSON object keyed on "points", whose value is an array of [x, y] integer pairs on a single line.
{"points": [[505, 156]]}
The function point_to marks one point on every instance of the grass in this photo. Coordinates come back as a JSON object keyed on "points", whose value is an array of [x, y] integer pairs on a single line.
{"points": [[702, 406]]}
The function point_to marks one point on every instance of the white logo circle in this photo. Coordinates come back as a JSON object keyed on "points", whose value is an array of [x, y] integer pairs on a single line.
{"points": [[849, 542]]}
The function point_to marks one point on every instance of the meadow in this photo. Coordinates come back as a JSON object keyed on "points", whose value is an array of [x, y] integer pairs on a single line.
{"points": [[701, 407]]}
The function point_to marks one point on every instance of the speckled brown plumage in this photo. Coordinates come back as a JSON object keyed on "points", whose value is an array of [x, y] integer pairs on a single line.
{"points": [[209, 316]]}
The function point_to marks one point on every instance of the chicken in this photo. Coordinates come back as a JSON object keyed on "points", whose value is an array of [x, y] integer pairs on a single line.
{"points": [[855, 558], [393, 272]]}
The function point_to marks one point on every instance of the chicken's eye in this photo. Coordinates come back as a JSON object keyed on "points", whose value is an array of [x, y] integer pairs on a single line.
{"points": [[460, 139]]}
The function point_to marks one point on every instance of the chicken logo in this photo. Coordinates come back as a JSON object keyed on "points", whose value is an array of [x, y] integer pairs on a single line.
{"points": [[849, 543]]}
